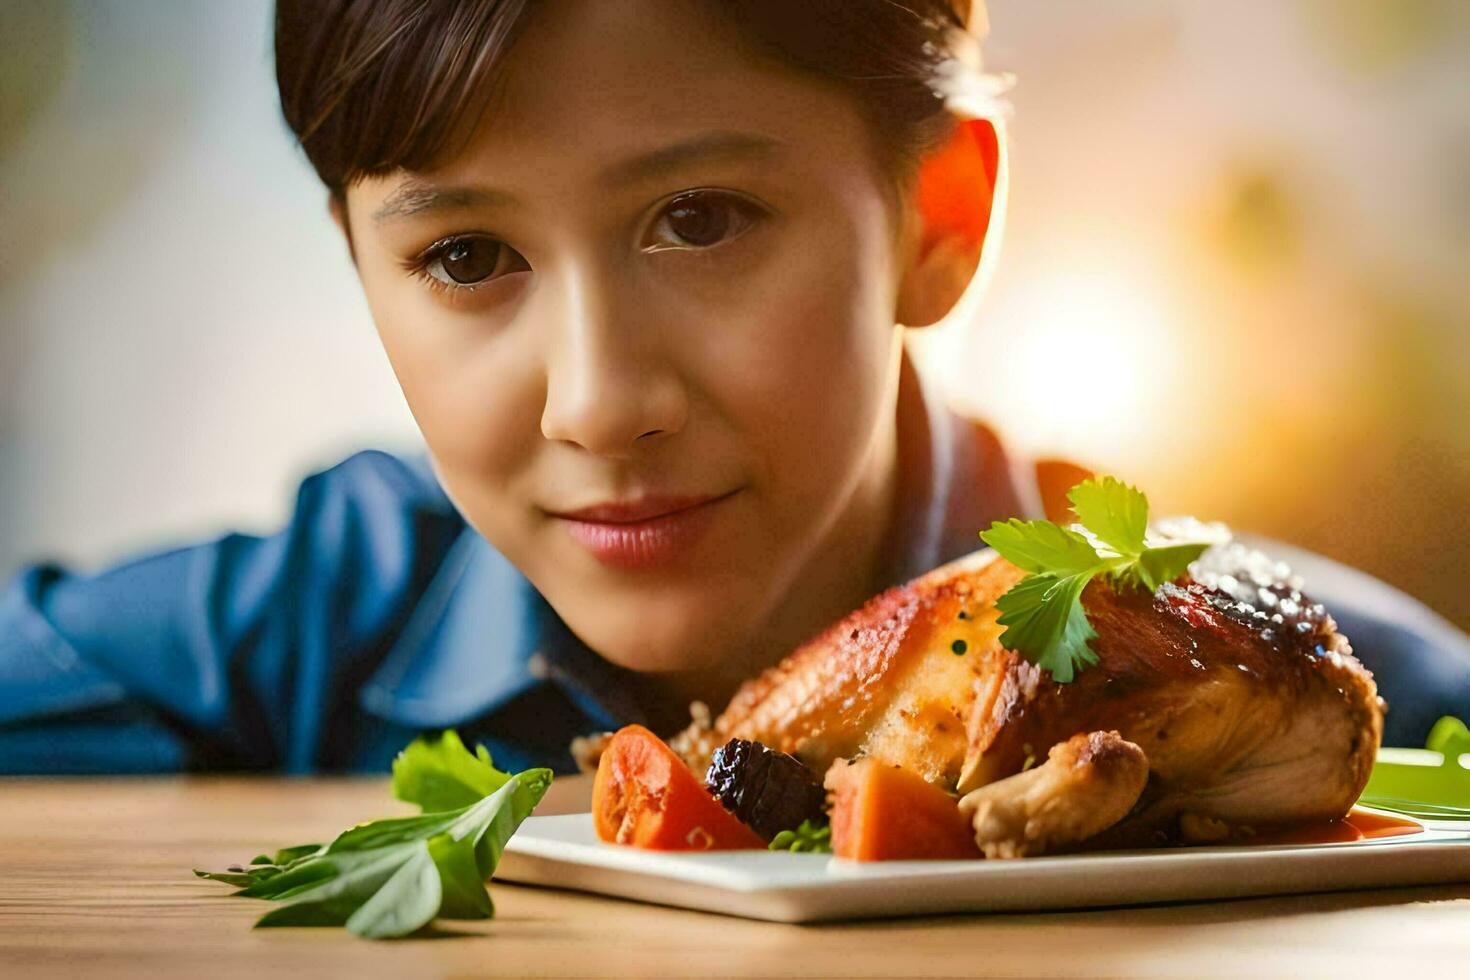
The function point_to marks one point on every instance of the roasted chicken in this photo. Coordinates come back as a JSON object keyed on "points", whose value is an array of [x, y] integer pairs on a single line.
{"points": [[1222, 703]]}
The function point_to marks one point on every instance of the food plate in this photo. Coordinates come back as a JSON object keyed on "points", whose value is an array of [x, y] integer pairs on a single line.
{"points": [[564, 852]]}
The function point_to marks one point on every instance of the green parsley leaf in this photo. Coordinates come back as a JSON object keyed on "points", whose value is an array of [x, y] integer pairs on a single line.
{"points": [[391, 877], [1113, 511], [1042, 614], [1159, 565], [1041, 546], [808, 838], [1044, 619]]}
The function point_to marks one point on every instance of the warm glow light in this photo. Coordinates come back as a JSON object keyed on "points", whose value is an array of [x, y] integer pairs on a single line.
{"points": [[1076, 359]]}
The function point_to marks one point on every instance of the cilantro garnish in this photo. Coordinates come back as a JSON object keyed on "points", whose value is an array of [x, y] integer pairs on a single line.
{"points": [[1042, 614], [391, 877]]}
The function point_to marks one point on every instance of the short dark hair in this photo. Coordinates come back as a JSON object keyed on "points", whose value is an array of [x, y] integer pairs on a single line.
{"points": [[371, 86]]}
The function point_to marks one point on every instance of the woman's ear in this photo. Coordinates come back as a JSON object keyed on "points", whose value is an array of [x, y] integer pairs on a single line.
{"points": [[953, 195]]}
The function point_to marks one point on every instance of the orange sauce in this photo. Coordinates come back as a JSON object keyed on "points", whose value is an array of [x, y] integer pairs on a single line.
{"points": [[1356, 826], [1383, 825]]}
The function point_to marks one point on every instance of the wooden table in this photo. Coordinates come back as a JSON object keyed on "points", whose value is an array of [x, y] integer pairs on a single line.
{"points": [[94, 881]]}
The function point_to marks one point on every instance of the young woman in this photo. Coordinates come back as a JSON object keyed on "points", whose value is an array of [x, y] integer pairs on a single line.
{"points": [[643, 271]]}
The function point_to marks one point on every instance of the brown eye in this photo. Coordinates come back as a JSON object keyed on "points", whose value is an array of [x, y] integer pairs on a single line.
{"points": [[470, 260], [701, 219]]}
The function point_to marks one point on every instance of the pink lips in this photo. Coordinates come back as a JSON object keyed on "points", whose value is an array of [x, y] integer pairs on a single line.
{"points": [[644, 532]]}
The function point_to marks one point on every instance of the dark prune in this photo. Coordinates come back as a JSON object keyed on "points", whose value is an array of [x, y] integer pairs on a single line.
{"points": [[770, 791]]}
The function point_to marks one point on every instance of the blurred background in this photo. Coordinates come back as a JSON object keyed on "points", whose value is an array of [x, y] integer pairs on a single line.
{"points": [[1234, 272]]}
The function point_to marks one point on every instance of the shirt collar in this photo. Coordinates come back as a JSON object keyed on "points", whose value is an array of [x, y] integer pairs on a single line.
{"points": [[467, 646]]}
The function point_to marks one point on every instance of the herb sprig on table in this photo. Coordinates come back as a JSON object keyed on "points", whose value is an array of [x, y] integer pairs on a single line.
{"points": [[1042, 614], [391, 877]]}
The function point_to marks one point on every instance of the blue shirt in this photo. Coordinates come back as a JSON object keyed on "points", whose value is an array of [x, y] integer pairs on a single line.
{"points": [[377, 613]]}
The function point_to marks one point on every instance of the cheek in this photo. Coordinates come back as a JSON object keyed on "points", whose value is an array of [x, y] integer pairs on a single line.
{"points": [[801, 368], [471, 391]]}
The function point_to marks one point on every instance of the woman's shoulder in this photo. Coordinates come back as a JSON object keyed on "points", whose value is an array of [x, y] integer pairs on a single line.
{"points": [[404, 478], [1014, 483], [980, 477]]}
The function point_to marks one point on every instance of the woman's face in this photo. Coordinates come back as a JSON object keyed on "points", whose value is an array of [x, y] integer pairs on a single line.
{"points": [[664, 273]]}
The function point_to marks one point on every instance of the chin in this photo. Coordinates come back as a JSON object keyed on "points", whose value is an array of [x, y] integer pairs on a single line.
{"points": [[656, 636], [662, 661]]}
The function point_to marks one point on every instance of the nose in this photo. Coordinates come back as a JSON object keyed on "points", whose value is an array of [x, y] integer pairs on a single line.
{"points": [[610, 386]]}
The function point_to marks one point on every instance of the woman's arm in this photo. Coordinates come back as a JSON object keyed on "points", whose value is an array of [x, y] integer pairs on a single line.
{"points": [[235, 653]]}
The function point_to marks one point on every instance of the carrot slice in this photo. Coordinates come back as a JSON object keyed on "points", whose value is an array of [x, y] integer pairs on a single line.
{"points": [[646, 797], [883, 813]]}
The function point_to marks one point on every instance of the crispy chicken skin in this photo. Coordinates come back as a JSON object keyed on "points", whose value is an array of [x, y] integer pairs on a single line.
{"points": [[885, 681], [1246, 703]]}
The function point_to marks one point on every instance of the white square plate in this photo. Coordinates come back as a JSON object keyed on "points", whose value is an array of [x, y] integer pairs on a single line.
{"points": [[564, 852]]}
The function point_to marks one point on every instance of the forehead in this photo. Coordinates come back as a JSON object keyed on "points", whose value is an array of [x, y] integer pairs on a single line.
{"points": [[591, 82]]}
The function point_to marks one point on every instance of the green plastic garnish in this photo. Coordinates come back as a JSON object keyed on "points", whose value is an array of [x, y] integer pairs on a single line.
{"points": [[391, 877], [1042, 614], [1431, 782]]}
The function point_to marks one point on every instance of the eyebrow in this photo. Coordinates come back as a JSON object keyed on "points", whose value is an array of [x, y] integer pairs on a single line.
{"points": [[417, 196]]}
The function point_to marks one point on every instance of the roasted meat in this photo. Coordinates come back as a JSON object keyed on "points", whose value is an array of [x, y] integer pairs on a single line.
{"points": [[1247, 706], [1086, 785], [896, 680]]}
